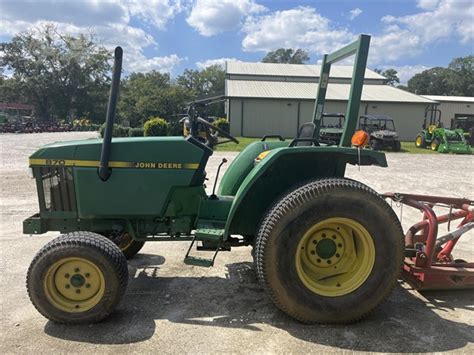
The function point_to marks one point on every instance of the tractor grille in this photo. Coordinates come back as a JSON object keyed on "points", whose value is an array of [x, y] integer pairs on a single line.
{"points": [[58, 189]]}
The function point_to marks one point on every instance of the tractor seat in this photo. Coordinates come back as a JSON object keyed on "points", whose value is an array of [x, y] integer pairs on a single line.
{"points": [[306, 131]]}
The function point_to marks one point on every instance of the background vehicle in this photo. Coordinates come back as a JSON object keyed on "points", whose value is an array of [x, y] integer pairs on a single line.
{"points": [[326, 249], [381, 129], [465, 123], [440, 139], [332, 126]]}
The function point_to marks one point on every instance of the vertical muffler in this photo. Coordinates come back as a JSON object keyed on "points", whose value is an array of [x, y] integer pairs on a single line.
{"points": [[104, 171]]}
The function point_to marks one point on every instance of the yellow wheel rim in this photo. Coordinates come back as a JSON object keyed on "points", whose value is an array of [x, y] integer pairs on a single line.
{"points": [[434, 146], [418, 141], [335, 257], [74, 285]]}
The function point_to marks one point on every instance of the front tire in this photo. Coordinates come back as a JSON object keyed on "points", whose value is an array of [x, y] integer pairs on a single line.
{"points": [[329, 251], [375, 144], [77, 278], [435, 144]]}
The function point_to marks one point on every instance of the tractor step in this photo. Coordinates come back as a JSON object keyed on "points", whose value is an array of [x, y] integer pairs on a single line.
{"points": [[206, 235], [209, 234]]}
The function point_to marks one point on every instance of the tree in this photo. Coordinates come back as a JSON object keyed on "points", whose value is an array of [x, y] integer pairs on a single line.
{"points": [[61, 75], [461, 77], [207, 82], [286, 55], [152, 94], [456, 79], [390, 74], [434, 81]]}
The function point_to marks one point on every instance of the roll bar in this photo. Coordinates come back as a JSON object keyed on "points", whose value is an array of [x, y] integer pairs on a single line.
{"points": [[360, 49]]}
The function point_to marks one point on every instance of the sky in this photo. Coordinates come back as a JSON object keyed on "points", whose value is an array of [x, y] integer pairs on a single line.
{"points": [[171, 35]]}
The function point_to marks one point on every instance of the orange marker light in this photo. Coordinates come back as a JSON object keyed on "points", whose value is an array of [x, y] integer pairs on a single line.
{"points": [[360, 139]]}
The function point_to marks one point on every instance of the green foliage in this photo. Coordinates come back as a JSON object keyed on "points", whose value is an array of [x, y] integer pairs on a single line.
{"points": [[175, 128], [222, 123], [156, 127], [60, 74], [136, 132], [118, 131], [390, 74], [207, 82], [286, 55], [456, 79], [151, 94]]}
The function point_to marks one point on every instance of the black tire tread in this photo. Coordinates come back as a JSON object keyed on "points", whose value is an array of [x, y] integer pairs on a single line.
{"points": [[297, 198], [88, 239]]}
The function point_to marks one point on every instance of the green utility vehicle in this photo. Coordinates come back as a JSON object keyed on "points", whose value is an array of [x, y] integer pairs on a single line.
{"points": [[381, 130], [326, 248], [466, 123], [332, 126], [438, 138]]}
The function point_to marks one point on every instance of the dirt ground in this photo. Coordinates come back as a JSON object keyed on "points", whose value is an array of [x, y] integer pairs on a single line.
{"points": [[171, 307]]}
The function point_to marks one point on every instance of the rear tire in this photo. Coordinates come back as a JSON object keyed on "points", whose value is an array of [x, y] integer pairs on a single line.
{"points": [[77, 278], [286, 256]]}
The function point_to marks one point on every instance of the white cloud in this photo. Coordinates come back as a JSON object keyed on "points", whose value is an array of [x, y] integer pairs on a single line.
{"points": [[428, 4], [301, 27], [109, 21], [401, 37], [354, 13], [155, 12], [220, 61], [449, 19], [210, 17]]}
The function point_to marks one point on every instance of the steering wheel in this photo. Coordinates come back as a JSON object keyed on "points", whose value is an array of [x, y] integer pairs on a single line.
{"points": [[209, 126]]}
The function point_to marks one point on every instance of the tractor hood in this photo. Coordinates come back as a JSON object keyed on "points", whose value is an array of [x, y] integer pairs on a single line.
{"points": [[125, 152]]}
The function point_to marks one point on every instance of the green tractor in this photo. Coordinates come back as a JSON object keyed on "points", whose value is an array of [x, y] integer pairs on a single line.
{"points": [[438, 138], [326, 248], [466, 124]]}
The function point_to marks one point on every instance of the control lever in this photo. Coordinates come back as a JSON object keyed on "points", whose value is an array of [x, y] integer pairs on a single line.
{"points": [[213, 196]]}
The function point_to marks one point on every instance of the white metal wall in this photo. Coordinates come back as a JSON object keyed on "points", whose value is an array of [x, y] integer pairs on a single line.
{"points": [[257, 117], [450, 109]]}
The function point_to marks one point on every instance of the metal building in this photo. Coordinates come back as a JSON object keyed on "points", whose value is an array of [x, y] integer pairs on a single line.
{"points": [[453, 106], [269, 98]]}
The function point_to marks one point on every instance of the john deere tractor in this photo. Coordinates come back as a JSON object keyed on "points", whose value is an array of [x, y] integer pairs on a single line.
{"points": [[440, 139], [326, 248]]}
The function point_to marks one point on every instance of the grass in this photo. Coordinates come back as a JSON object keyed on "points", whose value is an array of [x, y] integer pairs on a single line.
{"points": [[407, 147]]}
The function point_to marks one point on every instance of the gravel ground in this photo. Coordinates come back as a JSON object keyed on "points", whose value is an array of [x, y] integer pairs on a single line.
{"points": [[171, 307]]}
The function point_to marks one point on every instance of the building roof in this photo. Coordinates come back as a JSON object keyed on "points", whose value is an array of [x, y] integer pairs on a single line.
{"points": [[307, 91], [293, 70], [440, 98]]}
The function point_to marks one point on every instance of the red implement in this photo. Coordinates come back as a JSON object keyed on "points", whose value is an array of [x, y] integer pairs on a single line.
{"points": [[428, 261]]}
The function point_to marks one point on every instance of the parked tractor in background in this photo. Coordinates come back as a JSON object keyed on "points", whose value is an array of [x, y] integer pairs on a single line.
{"points": [[466, 123], [332, 126], [439, 139], [381, 130]]}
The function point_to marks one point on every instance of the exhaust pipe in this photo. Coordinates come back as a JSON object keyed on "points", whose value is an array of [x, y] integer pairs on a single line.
{"points": [[104, 171]]}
